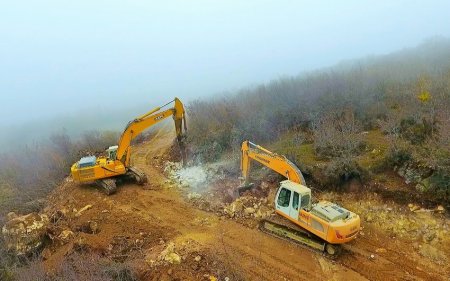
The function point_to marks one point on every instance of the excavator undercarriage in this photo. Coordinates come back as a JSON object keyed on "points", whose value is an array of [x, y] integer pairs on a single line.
{"points": [[109, 185], [281, 228]]}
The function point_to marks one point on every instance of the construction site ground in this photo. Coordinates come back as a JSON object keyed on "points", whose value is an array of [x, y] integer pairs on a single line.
{"points": [[163, 235]]}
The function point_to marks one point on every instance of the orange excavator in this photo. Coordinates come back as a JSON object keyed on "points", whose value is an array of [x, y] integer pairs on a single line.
{"points": [[323, 225], [106, 170]]}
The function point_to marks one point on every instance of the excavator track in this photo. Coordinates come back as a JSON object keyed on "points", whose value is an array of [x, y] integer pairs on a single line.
{"points": [[108, 185], [286, 230], [137, 175]]}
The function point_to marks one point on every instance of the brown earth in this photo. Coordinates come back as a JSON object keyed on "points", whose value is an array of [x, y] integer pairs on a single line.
{"points": [[137, 224]]}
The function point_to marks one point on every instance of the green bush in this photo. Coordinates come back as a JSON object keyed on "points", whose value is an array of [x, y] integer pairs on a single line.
{"points": [[341, 170], [397, 156], [416, 132], [440, 184]]}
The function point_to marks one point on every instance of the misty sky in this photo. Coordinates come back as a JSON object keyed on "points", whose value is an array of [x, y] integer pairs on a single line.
{"points": [[61, 56]]}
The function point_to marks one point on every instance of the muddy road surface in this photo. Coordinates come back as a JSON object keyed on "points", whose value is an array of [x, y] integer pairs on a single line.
{"points": [[165, 237]]}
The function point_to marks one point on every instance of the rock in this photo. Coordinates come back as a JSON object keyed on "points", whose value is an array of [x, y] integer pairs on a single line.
{"points": [[420, 187], [234, 208], [425, 185], [194, 195], [198, 258], [414, 208], [249, 211], [264, 185], [65, 236], [25, 234], [11, 215], [440, 209], [169, 255], [381, 250], [173, 258], [429, 236], [93, 226], [80, 212]]}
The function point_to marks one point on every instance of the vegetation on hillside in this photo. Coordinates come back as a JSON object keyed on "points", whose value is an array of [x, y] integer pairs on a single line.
{"points": [[27, 175], [332, 115]]}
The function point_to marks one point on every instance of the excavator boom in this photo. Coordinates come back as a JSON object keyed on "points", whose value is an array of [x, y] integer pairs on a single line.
{"points": [[273, 161], [135, 127]]}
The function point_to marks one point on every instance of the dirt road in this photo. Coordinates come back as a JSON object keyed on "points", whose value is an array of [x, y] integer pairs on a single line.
{"points": [[136, 224]]}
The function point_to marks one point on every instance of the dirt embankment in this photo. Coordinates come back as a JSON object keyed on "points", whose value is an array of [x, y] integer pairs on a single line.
{"points": [[164, 235]]}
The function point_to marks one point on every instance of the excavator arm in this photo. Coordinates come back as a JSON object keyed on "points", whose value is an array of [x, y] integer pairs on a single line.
{"points": [[156, 115], [273, 161]]}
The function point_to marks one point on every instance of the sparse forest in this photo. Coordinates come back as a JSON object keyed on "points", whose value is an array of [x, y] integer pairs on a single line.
{"points": [[29, 174], [357, 118]]}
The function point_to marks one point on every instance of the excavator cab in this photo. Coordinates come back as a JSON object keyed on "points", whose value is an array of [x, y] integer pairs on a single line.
{"points": [[111, 152], [291, 198]]}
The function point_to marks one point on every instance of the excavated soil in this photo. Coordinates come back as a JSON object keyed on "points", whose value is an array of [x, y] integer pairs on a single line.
{"points": [[166, 237]]}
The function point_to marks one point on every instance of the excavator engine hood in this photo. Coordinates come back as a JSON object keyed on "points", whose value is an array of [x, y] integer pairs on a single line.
{"points": [[330, 212]]}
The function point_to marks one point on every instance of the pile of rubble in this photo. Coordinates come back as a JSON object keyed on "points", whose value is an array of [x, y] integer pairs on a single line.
{"points": [[25, 234], [248, 207], [194, 177], [172, 253]]}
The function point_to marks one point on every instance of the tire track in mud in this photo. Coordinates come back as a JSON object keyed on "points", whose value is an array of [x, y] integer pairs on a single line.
{"points": [[394, 263]]}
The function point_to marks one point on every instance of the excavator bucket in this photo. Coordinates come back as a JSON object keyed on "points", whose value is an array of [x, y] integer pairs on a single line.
{"points": [[236, 193]]}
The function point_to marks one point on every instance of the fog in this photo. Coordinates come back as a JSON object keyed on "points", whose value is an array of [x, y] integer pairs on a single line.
{"points": [[94, 64]]}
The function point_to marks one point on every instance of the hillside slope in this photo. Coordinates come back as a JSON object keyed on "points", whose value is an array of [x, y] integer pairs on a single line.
{"points": [[162, 235]]}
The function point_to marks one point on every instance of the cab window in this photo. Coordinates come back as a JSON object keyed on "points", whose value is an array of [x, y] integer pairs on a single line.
{"points": [[284, 197], [305, 201], [295, 201]]}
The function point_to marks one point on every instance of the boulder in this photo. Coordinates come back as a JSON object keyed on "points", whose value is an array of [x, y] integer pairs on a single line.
{"points": [[440, 209], [173, 258], [235, 207], [25, 234], [11, 215], [169, 255]]}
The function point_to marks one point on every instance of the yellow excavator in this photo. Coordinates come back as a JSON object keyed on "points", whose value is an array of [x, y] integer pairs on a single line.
{"points": [[105, 170], [322, 225]]}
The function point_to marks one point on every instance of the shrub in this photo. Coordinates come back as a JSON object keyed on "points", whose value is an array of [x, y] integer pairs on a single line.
{"points": [[337, 134], [397, 156], [341, 170]]}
